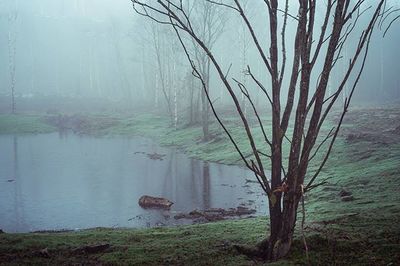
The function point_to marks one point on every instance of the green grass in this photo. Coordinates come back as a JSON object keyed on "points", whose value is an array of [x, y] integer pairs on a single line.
{"points": [[23, 124], [365, 231], [206, 244]]}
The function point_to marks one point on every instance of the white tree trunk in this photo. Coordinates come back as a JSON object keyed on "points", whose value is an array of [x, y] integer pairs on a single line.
{"points": [[12, 48]]}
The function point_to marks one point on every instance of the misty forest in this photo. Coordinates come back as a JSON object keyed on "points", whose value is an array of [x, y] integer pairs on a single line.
{"points": [[200, 132]]}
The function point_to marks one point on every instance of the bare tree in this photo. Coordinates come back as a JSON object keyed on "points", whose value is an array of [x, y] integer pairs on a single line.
{"points": [[158, 37], [316, 49], [190, 84], [209, 24], [124, 81], [244, 44]]}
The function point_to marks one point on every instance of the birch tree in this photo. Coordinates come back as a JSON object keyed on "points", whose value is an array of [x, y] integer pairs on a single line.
{"points": [[12, 50], [209, 24]]}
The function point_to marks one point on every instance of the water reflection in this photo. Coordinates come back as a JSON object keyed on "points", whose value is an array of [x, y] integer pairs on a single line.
{"points": [[17, 190], [206, 185], [68, 181]]}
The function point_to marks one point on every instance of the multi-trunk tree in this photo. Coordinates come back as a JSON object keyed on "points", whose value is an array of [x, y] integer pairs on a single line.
{"points": [[301, 67]]}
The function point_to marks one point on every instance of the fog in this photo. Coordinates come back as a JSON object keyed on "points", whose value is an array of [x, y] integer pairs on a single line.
{"points": [[118, 115], [79, 49], [104, 50]]}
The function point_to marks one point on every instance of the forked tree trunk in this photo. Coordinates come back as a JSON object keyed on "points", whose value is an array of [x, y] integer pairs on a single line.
{"points": [[282, 225]]}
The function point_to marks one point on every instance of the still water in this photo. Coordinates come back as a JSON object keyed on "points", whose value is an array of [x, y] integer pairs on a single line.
{"points": [[55, 182]]}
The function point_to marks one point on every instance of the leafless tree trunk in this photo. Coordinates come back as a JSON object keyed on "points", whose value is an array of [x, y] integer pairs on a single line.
{"points": [[33, 61], [209, 24], [124, 82], [156, 93], [175, 89], [244, 43], [316, 51], [205, 111], [12, 48], [155, 31], [190, 83], [381, 74]]}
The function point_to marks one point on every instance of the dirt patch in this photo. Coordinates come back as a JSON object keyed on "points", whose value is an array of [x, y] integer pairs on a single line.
{"points": [[80, 124], [377, 126], [396, 130]]}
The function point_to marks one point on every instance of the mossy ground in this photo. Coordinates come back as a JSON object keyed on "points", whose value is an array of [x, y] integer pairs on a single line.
{"points": [[205, 244], [364, 231]]}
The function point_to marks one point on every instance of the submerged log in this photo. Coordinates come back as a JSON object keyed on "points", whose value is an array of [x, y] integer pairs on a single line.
{"points": [[347, 198], [156, 156], [154, 202]]}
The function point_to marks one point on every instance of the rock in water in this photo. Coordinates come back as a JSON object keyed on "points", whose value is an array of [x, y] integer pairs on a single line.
{"points": [[347, 198], [154, 202]]}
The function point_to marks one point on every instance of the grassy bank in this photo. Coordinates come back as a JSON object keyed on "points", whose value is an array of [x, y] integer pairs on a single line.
{"points": [[24, 124], [365, 230], [206, 244]]}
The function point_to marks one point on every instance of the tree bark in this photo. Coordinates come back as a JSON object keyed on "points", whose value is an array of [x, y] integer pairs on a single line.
{"points": [[205, 108], [281, 244]]}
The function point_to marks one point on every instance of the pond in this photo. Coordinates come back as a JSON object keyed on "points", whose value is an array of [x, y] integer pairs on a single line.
{"points": [[65, 181]]}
